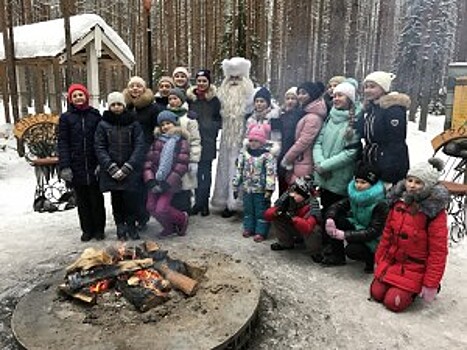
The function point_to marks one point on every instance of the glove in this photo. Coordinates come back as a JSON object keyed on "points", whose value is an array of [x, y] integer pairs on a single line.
{"points": [[113, 168], [267, 195], [118, 175], [235, 194], [124, 171], [428, 294], [339, 235], [193, 168], [286, 165], [330, 227], [66, 174]]}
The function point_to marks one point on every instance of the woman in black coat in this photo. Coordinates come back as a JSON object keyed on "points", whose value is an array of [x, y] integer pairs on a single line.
{"points": [[78, 161], [120, 149], [203, 101]]}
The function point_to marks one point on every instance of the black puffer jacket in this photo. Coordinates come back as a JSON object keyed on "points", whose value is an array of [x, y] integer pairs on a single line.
{"points": [[209, 119], [119, 139], [76, 143], [146, 112]]}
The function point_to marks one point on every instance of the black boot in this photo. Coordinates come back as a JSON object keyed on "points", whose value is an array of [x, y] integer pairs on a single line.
{"points": [[121, 232], [205, 210], [194, 210], [86, 237], [227, 213], [132, 232]]}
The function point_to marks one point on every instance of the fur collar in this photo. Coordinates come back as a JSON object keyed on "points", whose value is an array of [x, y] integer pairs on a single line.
{"points": [[143, 101], [394, 99], [178, 130], [210, 94], [430, 202]]}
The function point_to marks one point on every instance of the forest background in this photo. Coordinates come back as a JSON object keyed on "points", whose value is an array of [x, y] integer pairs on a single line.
{"points": [[287, 41]]}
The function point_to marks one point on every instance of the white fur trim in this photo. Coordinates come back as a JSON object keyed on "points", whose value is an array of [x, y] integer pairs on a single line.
{"points": [[236, 66]]}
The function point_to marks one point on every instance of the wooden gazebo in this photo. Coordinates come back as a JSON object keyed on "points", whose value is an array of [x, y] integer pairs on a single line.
{"points": [[40, 55]]}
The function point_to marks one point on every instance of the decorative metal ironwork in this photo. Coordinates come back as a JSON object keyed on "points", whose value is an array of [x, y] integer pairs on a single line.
{"points": [[457, 212]]}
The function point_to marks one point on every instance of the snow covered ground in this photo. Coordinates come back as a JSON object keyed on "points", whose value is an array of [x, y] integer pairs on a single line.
{"points": [[303, 306]]}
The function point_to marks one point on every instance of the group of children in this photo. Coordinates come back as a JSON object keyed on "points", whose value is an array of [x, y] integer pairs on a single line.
{"points": [[151, 152]]}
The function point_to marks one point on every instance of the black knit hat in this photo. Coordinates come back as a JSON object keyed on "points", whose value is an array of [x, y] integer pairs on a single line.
{"points": [[264, 93], [315, 90], [303, 186], [367, 173], [204, 73]]}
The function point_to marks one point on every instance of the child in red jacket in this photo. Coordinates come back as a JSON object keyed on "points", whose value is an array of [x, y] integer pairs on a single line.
{"points": [[295, 216], [411, 256]]}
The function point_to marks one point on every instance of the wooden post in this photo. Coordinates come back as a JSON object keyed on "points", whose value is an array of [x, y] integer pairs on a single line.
{"points": [[65, 7], [39, 90], [23, 98], [5, 97], [57, 87], [92, 74]]}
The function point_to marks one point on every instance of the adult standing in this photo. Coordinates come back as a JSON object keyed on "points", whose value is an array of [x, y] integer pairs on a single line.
{"points": [[298, 161], [236, 95], [140, 100], [384, 127], [204, 102]]}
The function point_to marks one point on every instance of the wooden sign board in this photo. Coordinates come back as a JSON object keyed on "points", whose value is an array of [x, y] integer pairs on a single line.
{"points": [[459, 112], [449, 135]]}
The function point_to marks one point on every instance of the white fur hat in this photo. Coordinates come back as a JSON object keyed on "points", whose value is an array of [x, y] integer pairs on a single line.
{"points": [[429, 172], [381, 78], [292, 91], [181, 70], [137, 80], [236, 66], [346, 88], [116, 97]]}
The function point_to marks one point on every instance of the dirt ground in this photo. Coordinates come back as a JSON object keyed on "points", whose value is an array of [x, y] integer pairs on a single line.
{"points": [[303, 306]]}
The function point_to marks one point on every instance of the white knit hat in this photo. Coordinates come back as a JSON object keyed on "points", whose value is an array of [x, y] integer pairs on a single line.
{"points": [[428, 172], [137, 80], [116, 97], [381, 78], [347, 89], [291, 91], [181, 70]]}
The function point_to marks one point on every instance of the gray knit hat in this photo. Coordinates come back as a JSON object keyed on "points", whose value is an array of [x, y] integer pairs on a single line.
{"points": [[116, 97], [179, 93], [428, 172], [167, 116]]}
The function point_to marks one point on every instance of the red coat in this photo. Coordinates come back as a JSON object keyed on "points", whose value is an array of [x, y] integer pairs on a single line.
{"points": [[414, 246], [303, 222]]}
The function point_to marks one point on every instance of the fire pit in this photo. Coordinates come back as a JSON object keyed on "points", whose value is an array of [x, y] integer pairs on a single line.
{"points": [[219, 314]]}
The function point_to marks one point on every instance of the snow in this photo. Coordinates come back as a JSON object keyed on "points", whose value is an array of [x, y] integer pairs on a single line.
{"points": [[304, 306], [47, 39]]}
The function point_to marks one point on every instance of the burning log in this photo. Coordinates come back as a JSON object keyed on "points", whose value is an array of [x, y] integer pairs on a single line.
{"points": [[142, 298], [179, 281], [83, 296], [77, 281]]}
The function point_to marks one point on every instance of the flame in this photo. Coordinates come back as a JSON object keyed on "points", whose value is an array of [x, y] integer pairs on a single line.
{"points": [[99, 287], [151, 279]]}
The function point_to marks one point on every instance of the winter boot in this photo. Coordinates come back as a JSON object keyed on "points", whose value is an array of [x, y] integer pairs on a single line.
{"points": [[132, 231], [181, 229], [121, 232]]}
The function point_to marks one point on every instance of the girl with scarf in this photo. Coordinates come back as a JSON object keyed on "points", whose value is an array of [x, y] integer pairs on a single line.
{"points": [[360, 218], [166, 163], [411, 256], [78, 162]]}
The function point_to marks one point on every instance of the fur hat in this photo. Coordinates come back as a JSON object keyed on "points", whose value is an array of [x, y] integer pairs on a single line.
{"points": [[291, 91], [80, 87], [137, 80], [315, 90], [167, 116], [348, 88], [259, 132], [179, 93], [116, 97], [367, 173], [236, 66], [381, 78], [166, 79], [263, 93], [204, 73], [337, 79], [181, 70], [428, 172], [303, 186]]}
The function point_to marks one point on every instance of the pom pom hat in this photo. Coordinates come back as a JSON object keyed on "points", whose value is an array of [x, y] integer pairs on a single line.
{"points": [[428, 172], [182, 70], [291, 91], [383, 79], [348, 89], [367, 173], [116, 97]]}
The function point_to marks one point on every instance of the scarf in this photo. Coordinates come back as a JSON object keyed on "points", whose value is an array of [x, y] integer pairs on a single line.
{"points": [[167, 156]]}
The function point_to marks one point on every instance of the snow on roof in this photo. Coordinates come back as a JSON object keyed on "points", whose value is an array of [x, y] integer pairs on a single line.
{"points": [[47, 39]]}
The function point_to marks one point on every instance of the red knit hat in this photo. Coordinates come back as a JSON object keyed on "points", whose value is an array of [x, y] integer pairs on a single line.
{"points": [[259, 132], [74, 87]]}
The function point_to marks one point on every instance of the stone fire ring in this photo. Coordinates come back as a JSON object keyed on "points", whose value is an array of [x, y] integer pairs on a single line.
{"points": [[219, 316]]}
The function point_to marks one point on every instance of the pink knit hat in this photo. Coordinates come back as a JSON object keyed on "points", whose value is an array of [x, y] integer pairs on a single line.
{"points": [[259, 132]]}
